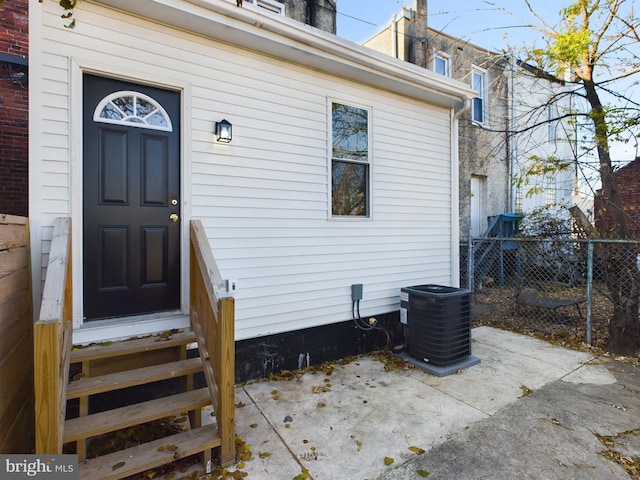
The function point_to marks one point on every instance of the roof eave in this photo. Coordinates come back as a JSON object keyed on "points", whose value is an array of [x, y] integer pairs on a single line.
{"points": [[292, 41]]}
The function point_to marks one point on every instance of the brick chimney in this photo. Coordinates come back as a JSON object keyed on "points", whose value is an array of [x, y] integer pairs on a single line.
{"points": [[418, 53]]}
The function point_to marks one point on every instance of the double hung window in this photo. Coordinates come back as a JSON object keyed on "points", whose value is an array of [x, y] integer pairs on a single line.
{"points": [[350, 161], [478, 78]]}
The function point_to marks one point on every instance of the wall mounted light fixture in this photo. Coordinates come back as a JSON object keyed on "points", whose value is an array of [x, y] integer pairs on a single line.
{"points": [[223, 131], [14, 68]]}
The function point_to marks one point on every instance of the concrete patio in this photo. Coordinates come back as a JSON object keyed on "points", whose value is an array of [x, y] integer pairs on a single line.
{"points": [[362, 422]]}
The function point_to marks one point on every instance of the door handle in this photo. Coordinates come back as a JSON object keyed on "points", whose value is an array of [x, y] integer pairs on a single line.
{"points": [[174, 217]]}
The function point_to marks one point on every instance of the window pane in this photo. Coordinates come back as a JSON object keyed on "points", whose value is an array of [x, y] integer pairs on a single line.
{"points": [[441, 66], [143, 107], [349, 193], [125, 104], [478, 114], [350, 132], [111, 112], [157, 119], [477, 83]]}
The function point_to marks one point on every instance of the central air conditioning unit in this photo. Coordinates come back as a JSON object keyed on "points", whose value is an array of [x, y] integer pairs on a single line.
{"points": [[438, 321]]}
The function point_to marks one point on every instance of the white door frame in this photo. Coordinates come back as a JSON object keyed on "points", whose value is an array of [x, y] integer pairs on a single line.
{"points": [[123, 328]]}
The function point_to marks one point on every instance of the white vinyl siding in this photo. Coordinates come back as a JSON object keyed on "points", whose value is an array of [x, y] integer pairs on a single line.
{"points": [[263, 198]]}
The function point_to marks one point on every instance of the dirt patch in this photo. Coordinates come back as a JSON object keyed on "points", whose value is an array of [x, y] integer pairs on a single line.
{"points": [[566, 327]]}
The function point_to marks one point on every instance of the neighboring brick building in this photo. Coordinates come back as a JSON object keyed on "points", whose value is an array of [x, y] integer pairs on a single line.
{"points": [[628, 178], [510, 97], [14, 107], [483, 143]]}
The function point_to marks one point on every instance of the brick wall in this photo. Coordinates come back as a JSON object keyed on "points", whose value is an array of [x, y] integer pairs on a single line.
{"points": [[629, 181], [14, 103]]}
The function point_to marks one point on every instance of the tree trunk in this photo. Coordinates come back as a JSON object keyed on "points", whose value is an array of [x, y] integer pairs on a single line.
{"points": [[622, 278]]}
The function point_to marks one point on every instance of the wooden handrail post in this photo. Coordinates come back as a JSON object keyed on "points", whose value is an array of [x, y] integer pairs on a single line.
{"points": [[213, 322], [226, 406], [52, 343]]}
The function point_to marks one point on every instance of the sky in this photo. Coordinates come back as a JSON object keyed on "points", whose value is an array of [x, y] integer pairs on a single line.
{"points": [[494, 25], [474, 20]]}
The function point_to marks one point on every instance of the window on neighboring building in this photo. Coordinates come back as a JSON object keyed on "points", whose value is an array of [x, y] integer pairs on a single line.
{"points": [[270, 5], [553, 114], [518, 205], [478, 84], [441, 63], [350, 162], [550, 192]]}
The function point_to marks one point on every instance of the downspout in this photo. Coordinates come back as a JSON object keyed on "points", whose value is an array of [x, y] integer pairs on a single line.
{"points": [[455, 192], [511, 142], [394, 37]]}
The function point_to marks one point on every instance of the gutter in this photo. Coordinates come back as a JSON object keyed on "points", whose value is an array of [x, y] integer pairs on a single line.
{"points": [[287, 39]]}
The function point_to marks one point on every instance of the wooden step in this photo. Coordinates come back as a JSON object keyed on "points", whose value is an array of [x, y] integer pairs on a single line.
{"points": [[139, 376], [133, 346], [112, 420], [147, 456]]}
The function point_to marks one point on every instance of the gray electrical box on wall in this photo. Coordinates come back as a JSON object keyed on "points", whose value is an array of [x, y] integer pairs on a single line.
{"points": [[356, 292]]}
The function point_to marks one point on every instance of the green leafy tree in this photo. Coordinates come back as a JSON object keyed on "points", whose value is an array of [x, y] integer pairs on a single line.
{"points": [[596, 46]]}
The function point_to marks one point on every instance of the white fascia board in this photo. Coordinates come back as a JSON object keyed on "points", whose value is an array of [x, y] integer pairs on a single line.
{"points": [[295, 42]]}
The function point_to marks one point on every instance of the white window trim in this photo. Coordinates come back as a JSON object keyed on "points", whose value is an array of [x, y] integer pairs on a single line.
{"points": [[437, 54], [272, 6], [349, 218], [481, 71]]}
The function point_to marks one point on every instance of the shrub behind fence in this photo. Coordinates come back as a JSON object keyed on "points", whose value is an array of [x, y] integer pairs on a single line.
{"points": [[554, 287]]}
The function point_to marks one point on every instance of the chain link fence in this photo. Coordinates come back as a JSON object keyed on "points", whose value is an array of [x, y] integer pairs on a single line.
{"points": [[560, 289]]}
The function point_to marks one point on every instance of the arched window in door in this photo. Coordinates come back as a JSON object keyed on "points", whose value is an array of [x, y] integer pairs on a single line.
{"points": [[133, 109]]}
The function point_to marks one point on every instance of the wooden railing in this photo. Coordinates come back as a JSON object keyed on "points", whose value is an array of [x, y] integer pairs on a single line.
{"points": [[52, 343], [16, 337], [212, 321]]}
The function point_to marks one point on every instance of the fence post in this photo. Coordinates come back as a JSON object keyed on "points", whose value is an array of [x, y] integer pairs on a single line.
{"points": [[470, 270], [589, 287]]}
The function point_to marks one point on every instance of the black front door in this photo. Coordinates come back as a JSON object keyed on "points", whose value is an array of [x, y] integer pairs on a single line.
{"points": [[131, 199]]}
